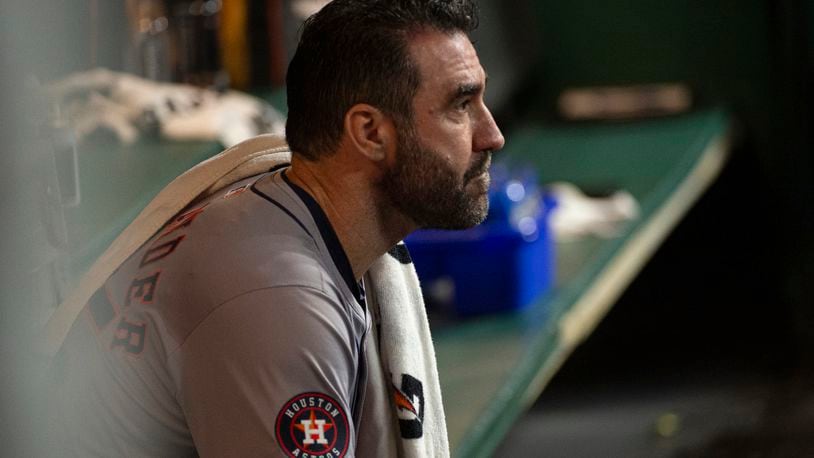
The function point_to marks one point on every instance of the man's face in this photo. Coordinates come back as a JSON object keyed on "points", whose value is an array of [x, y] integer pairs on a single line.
{"points": [[440, 178]]}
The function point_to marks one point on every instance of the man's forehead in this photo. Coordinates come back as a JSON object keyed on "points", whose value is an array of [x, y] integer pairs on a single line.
{"points": [[448, 59]]}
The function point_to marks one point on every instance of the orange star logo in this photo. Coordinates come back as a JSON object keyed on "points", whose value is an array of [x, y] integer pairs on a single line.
{"points": [[308, 427]]}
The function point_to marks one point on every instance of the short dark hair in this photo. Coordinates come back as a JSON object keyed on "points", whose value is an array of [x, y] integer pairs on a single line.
{"points": [[356, 51]]}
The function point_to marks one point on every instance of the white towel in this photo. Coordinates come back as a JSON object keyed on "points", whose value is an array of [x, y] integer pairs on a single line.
{"points": [[407, 351]]}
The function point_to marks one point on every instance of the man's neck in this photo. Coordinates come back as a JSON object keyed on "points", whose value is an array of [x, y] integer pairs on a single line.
{"points": [[366, 225]]}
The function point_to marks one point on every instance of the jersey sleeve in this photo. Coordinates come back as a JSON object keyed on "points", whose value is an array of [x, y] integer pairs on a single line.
{"points": [[271, 373]]}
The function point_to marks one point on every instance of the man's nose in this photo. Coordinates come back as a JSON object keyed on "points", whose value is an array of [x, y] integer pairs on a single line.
{"points": [[488, 136]]}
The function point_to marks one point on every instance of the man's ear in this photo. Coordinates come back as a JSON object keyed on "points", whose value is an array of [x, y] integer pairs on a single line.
{"points": [[370, 131]]}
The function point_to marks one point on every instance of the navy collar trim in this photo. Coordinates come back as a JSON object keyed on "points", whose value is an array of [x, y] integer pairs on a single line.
{"points": [[338, 255]]}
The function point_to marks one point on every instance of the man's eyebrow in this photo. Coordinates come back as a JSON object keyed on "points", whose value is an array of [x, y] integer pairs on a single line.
{"points": [[467, 89]]}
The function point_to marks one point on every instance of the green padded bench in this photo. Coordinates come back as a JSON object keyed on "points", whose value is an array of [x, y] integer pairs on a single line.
{"points": [[494, 367]]}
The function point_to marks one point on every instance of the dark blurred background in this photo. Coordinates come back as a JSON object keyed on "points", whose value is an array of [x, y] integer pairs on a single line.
{"points": [[717, 331]]}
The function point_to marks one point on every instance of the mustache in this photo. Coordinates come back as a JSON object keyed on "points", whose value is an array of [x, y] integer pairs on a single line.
{"points": [[480, 167]]}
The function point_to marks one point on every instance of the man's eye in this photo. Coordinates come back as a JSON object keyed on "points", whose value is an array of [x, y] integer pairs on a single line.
{"points": [[463, 104]]}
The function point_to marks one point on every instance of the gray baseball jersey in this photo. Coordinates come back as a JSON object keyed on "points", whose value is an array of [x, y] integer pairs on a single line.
{"points": [[236, 330]]}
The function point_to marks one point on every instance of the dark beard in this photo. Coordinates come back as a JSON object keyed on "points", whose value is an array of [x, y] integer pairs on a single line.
{"points": [[422, 187]]}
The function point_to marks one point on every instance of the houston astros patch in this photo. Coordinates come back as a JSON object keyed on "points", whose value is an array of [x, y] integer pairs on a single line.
{"points": [[313, 425]]}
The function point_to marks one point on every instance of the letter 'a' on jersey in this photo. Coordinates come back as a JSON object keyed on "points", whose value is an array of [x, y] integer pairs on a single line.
{"points": [[238, 330]]}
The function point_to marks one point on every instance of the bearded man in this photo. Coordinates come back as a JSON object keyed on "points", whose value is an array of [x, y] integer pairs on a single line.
{"points": [[242, 326]]}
